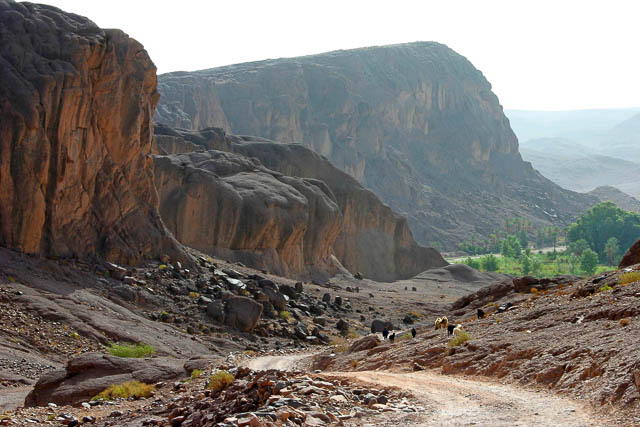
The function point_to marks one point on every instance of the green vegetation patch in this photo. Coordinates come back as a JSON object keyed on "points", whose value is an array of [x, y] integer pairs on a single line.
{"points": [[130, 350], [134, 389], [284, 315]]}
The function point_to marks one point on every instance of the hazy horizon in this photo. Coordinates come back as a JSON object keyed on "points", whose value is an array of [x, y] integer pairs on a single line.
{"points": [[541, 56]]}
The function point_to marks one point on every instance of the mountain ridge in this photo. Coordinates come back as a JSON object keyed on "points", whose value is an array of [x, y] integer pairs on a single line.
{"points": [[401, 119]]}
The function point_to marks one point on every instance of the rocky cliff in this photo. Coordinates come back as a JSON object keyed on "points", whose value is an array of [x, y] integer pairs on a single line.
{"points": [[415, 123], [76, 104], [279, 206]]}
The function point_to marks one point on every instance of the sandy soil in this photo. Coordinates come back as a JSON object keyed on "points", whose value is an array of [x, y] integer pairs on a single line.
{"points": [[456, 401]]}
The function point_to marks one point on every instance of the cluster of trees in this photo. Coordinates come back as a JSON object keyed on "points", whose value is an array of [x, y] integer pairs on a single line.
{"points": [[606, 230], [600, 236], [518, 227]]}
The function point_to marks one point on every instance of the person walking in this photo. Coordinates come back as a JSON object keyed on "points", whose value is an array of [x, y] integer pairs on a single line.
{"points": [[413, 332], [385, 333]]}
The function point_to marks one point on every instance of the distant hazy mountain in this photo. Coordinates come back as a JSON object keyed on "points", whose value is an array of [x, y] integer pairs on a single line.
{"points": [[621, 141], [579, 125], [623, 200], [577, 167]]}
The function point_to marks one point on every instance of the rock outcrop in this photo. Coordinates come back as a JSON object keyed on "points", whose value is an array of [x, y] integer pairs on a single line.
{"points": [[89, 374], [279, 206], [416, 123], [632, 256], [76, 104]]}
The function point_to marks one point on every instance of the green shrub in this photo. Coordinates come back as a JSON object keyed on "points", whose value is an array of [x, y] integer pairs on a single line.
{"points": [[220, 380], [130, 350], [605, 288], [490, 263], [194, 295], [126, 390], [462, 337], [284, 315], [196, 373], [162, 266], [630, 277]]}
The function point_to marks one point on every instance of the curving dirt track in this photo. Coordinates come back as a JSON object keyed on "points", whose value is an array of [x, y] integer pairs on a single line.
{"points": [[458, 401]]}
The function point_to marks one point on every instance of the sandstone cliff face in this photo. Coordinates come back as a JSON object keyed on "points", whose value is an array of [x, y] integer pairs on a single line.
{"points": [[233, 207], [415, 123], [243, 196], [76, 104]]}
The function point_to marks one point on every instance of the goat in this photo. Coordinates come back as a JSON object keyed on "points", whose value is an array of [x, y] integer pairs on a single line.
{"points": [[442, 322], [480, 313], [452, 327], [413, 332], [392, 337], [457, 330]]}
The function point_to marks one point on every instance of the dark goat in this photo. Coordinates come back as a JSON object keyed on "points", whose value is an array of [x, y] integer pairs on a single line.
{"points": [[450, 328], [392, 337], [480, 314]]}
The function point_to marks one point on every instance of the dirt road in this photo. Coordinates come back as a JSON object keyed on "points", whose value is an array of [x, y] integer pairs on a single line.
{"points": [[457, 401], [283, 363]]}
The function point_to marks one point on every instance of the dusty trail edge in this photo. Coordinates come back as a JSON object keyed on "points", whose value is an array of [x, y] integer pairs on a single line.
{"points": [[459, 401]]}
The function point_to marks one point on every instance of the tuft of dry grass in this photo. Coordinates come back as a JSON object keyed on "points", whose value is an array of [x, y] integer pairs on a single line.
{"points": [[629, 278], [134, 389], [220, 380], [534, 290], [354, 363], [194, 295], [461, 338], [339, 344], [624, 322], [352, 334]]}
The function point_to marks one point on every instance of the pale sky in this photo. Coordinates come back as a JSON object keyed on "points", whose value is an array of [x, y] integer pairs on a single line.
{"points": [[538, 55]]}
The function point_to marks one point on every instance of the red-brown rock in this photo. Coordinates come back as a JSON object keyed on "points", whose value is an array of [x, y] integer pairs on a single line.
{"points": [[76, 104], [632, 256]]}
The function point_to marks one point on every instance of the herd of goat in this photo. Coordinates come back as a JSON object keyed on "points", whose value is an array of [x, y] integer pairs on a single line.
{"points": [[443, 323]]}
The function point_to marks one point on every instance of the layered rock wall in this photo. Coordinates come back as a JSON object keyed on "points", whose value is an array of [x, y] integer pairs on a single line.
{"points": [[233, 207], [368, 237], [76, 104]]}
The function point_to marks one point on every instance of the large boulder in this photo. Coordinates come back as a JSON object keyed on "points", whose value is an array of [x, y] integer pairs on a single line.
{"points": [[242, 313], [276, 298], [364, 343], [378, 325], [89, 374], [75, 138], [632, 256]]}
